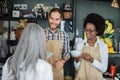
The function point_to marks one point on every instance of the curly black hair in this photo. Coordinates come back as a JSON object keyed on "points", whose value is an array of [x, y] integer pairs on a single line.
{"points": [[96, 20]]}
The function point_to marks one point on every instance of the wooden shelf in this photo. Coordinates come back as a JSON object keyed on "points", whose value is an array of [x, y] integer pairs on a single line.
{"points": [[67, 10], [4, 18], [12, 42], [18, 18]]}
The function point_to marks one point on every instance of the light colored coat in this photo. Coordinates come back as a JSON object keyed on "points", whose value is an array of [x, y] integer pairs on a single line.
{"points": [[43, 70]]}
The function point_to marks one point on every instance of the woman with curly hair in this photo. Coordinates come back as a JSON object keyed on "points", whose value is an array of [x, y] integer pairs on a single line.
{"points": [[94, 58]]}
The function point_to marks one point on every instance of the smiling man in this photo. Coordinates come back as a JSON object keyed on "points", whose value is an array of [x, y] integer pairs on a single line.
{"points": [[57, 43]]}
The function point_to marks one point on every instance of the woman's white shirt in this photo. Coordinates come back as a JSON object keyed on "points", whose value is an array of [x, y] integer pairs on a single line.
{"points": [[43, 70], [100, 65]]}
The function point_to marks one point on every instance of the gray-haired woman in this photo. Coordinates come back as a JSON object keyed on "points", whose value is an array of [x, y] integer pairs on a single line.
{"points": [[29, 60]]}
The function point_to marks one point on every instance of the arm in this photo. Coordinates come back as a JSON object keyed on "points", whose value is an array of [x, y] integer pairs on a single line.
{"points": [[79, 46], [4, 72], [102, 65], [66, 51], [66, 48], [7, 72], [44, 70], [49, 73]]}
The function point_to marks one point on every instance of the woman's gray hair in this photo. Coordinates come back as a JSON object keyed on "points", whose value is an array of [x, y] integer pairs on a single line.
{"points": [[31, 47]]}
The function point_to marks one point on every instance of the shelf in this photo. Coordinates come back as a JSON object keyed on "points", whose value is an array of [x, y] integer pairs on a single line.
{"points": [[30, 19], [4, 18], [18, 18], [12, 42], [67, 10], [15, 18], [67, 19]]}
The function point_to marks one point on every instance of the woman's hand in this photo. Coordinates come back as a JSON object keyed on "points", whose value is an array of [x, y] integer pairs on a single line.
{"points": [[77, 59], [87, 57]]}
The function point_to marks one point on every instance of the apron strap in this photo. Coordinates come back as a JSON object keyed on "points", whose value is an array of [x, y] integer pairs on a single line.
{"points": [[46, 32]]}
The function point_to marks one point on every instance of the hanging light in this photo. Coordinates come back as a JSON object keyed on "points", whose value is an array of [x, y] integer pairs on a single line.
{"points": [[115, 4]]}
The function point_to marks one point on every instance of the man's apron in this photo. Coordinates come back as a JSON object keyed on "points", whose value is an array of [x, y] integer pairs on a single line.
{"points": [[86, 70], [55, 47]]}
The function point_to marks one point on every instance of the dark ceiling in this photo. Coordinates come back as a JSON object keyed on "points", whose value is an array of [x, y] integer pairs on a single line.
{"points": [[102, 0]]}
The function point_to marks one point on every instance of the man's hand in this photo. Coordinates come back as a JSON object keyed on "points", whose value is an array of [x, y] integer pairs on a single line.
{"points": [[59, 64]]}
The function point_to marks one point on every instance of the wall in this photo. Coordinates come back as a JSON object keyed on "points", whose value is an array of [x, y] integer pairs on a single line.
{"points": [[84, 7]]}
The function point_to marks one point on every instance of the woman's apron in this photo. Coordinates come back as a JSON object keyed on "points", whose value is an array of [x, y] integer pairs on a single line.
{"points": [[86, 70], [55, 47]]}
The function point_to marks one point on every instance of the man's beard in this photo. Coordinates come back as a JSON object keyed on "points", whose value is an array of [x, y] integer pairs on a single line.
{"points": [[54, 28]]}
